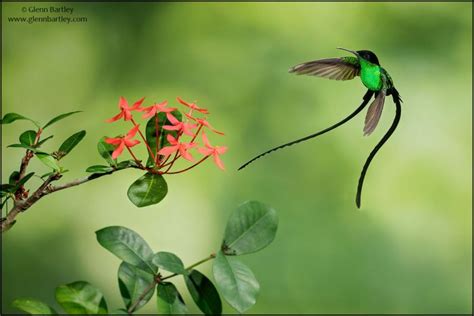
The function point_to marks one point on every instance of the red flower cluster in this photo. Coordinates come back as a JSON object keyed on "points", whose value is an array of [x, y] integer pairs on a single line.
{"points": [[190, 127]]}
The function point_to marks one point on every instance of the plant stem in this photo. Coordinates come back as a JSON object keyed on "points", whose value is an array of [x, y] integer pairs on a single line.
{"points": [[211, 256], [157, 139], [157, 279], [144, 140], [21, 206], [26, 159], [135, 158], [177, 155], [142, 296], [197, 132], [170, 164], [43, 190], [188, 168], [163, 163]]}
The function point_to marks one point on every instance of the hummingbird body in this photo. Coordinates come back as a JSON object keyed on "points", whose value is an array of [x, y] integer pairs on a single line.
{"points": [[375, 78], [370, 72], [371, 75]]}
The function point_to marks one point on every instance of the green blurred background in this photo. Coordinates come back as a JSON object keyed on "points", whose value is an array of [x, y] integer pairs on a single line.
{"points": [[408, 250]]}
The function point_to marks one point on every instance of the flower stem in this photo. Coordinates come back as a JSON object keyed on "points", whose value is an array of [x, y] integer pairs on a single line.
{"points": [[164, 162], [157, 139], [176, 156], [188, 168], [170, 164], [144, 140], [135, 158], [197, 132]]}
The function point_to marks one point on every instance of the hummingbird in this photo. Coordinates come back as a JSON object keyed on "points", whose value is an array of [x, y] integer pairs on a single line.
{"points": [[379, 85]]}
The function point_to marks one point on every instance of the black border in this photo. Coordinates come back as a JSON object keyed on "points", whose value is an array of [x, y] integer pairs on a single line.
{"points": [[198, 1]]}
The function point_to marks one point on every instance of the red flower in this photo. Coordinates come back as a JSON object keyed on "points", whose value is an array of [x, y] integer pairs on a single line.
{"points": [[192, 106], [176, 146], [185, 128], [203, 122], [121, 142], [125, 110], [215, 151], [156, 108]]}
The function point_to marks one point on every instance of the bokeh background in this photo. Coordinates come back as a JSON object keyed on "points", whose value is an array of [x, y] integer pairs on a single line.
{"points": [[408, 250]]}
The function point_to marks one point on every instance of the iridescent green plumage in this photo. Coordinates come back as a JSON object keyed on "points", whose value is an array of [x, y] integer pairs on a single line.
{"points": [[371, 75], [351, 60]]}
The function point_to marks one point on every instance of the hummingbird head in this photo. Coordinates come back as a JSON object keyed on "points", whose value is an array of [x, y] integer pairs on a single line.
{"points": [[364, 54]]}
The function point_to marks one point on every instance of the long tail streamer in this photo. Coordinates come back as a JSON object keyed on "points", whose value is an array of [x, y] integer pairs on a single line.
{"points": [[393, 127], [366, 100]]}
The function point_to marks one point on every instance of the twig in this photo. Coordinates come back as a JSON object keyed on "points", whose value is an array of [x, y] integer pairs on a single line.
{"points": [[24, 165], [142, 296], [21, 206], [157, 279], [211, 256], [45, 189]]}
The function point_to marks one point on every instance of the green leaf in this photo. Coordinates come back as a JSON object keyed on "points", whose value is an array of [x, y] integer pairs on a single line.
{"points": [[250, 228], [4, 199], [203, 293], [33, 306], [48, 160], [127, 245], [126, 164], [151, 132], [105, 169], [41, 142], [235, 282], [99, 169], [14, 183], [105, 150], [169, 262], [70, 143], [147, 190], [81, 298], [25, 179], [12, 117], [22, 146], [119, 311], [47, 174], [13, 179], [169, 300], [59, 117], [8, 188], [28, 138], [133, 282]]}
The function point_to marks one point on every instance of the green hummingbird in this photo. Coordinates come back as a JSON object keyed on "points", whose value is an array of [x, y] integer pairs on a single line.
{"points": [[379, 84]]}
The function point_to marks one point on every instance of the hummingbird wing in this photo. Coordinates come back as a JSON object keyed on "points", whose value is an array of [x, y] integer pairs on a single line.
{"points": [[374, 113], [344, 68]]}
